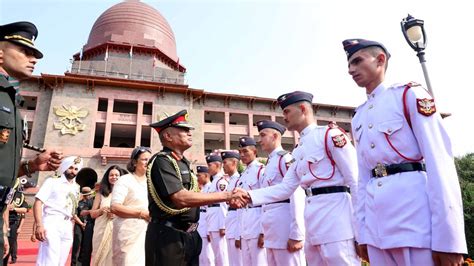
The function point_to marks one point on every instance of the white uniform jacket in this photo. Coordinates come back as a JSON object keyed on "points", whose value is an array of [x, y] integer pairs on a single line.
{"points": [[202, 227], [59, 196], [232, 223], [328, 217], [250, 217], [215, 216], [411, 209], [281, 221]]}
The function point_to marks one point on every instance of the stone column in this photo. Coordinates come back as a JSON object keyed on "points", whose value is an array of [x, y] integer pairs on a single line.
{"points": [[108, 122], [226, 131], [250, 125], [138, 129]]}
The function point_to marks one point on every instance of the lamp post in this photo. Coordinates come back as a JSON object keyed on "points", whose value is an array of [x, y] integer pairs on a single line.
{"points": [[415, 36]]}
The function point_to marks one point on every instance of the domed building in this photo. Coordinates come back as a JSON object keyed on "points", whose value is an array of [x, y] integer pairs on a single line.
{"points": [[129, 75]]}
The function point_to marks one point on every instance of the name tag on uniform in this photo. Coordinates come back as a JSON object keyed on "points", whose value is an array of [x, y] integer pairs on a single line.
{"points": [[185, 172], [6, 109]]}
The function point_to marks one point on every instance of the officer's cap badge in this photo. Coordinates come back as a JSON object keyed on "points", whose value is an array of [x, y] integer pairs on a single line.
{"points": [[77, 160]]}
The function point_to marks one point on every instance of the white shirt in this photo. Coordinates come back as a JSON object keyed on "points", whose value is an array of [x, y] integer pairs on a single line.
{"points": [[215, 216], [328, 217], [232, 223], [202, 227], [281, 221], [250, 223], [59, 196], [411, 209]]}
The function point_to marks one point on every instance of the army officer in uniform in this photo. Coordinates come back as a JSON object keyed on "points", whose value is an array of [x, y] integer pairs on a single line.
{"points": [[172, 238], [18, 56]]}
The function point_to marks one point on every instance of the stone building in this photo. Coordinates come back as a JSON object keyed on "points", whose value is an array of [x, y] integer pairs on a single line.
{"points": [[127, 76]]}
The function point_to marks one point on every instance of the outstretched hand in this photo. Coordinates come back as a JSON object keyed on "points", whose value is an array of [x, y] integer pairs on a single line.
{"points": [[48, 160], [240, 198]]}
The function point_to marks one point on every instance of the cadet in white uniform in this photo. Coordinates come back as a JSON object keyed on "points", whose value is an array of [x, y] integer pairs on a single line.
{"points": [[326, 167], [230, 161], [54, 206], [217, 212], [282, 221], [251, 232], [410, 209], [206, 258]]}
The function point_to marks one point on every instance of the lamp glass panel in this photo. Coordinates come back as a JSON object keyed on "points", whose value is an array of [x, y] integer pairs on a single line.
{"points": [[415, 33]]}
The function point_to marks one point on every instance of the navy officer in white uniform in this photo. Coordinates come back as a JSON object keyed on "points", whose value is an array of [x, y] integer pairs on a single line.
{"points": [[326, 167], [54, 207], [282, 221], [217, 212], [410, 210], [230, 162]]}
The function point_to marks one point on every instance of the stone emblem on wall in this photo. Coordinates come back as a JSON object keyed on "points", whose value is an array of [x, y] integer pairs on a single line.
{"points": [[69, 119]]}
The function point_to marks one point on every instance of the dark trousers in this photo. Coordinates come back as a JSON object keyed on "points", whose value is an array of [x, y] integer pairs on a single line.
{"points": [[76, 244], [86, 247], [166, 246], [12, 241]]}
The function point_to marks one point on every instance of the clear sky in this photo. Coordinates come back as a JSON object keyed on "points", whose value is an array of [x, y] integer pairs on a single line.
{"points": [[269, 47]]}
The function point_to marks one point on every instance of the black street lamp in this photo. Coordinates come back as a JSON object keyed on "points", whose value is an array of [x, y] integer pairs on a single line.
{"points": [[415, 36]]}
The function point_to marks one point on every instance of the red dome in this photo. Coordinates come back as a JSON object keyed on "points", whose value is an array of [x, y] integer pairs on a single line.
{"points": [[135, 23]]}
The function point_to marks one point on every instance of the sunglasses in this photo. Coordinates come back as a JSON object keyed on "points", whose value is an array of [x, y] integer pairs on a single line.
{"points": [[139, 150]]}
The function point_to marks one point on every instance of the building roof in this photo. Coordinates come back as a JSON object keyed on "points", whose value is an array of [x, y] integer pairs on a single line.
{"points": [[136, 24]]}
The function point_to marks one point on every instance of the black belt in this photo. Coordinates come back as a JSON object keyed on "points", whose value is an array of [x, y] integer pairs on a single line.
{"points": [[326, 190], [214, 205], [385, 170], [232, 209], [187, 227], [202, 210], [281, 201]]}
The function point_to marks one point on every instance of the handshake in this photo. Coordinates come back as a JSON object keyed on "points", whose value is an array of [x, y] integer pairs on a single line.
{"points": [[239, 198]]}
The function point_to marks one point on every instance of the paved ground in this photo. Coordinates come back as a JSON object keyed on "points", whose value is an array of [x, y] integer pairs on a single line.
{"points": [[27, 253]]}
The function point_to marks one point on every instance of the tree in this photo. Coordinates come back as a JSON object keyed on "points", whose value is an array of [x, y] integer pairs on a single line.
{"points": [[465, 169]]}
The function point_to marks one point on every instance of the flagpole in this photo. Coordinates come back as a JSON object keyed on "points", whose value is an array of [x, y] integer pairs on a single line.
{"points": [[131, 59], [106, 59], [80, 60]]}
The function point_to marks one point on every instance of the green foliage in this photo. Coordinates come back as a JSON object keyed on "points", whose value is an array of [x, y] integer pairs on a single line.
{"points": [[465, 169]]}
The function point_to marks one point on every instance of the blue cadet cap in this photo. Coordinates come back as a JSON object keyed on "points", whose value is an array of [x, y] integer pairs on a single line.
{"points": [[202, 169], [21, 33], [351, 46], [294, 97], [230, 154], [271, 124], [246, 141], [213, 158]]}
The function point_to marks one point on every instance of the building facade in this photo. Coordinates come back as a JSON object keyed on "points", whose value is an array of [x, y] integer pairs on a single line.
{"points": [[127, 76]]}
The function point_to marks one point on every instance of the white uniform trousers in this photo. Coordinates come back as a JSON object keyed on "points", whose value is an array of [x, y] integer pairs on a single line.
{"points": [[282, 257], [219, 247], [335, 253], [206, 258], [54, 251], [252, 255], [235, 254], [400, 256]]}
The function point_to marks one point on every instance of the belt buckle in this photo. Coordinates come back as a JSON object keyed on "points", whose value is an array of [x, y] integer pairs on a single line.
{"points": [[380, 170], [309, 192]]}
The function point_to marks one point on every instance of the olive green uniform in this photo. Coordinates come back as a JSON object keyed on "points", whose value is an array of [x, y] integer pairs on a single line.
{"points": [[172, 238], [11, 140]]}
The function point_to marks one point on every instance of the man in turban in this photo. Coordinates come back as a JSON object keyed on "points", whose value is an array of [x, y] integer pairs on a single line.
{"points": [[54, 207]]}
